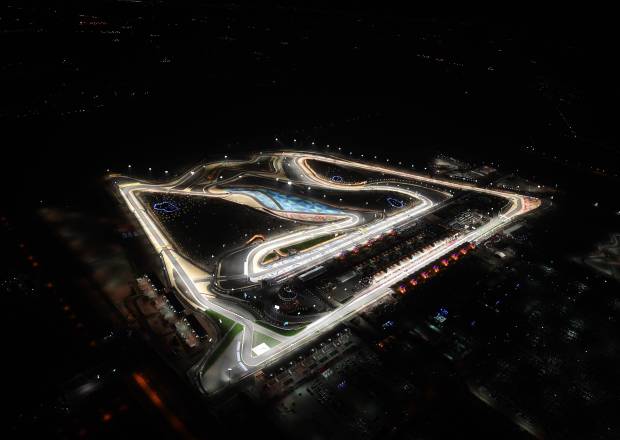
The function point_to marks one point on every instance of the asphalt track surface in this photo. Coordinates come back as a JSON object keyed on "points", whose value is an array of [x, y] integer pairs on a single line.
{"points": [[246, 362]]}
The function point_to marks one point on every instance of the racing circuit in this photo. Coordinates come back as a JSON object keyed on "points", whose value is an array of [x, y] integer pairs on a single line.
{"points": [[350, 227]]}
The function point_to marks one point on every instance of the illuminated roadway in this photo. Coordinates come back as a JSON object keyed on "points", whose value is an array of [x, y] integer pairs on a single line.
{"points": [[247, 361]]}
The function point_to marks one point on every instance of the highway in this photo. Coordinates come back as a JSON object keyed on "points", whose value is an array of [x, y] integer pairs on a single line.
{"points": [[352, 235]]}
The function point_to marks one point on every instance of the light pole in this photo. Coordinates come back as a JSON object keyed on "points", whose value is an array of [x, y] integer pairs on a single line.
{"points": [[229, 370]]}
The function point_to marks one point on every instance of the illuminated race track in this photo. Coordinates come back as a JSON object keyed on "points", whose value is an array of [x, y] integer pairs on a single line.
{"points": [[256, 272], [246, 361]]}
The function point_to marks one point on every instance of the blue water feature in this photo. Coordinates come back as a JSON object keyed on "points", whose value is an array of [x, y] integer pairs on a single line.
{"points": [[395, 203], [166, 207], [287, 202]]}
